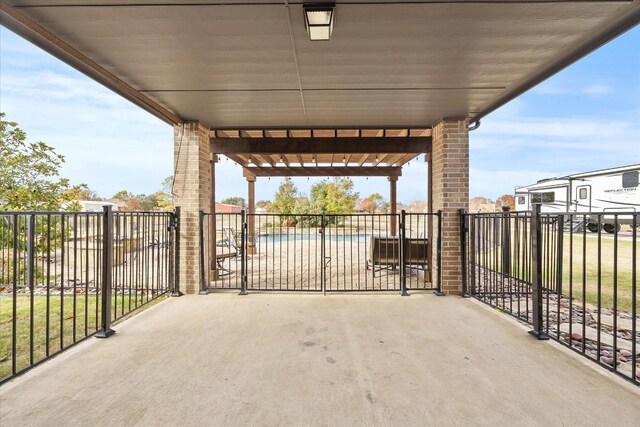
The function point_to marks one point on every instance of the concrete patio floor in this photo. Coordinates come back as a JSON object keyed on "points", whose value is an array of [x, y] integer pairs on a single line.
{"points": [[284, 359]]}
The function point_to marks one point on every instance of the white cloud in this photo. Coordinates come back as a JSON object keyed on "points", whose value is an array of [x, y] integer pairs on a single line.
{"points": [[598, 89], [569, 88]]}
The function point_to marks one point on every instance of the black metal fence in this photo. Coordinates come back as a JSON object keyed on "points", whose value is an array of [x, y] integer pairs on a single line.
{"points": [[66, 276], [319, 253], [564, 276]]}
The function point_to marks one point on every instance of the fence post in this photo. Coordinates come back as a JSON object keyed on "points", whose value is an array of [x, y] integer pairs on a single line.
{"points": [[472, 252], [175, 235], [403, 254], [107, 266], [536, 273], [559, 253], [506, 242], [439, 292], [323, 273], [204, 289], [243, 242], [463, 252], [30, 277]]}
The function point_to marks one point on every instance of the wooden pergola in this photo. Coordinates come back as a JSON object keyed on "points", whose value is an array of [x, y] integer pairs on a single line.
{"points": [[318, 153]]}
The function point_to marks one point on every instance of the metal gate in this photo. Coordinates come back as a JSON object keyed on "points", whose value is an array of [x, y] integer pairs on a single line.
{"points": [[319, 253]]}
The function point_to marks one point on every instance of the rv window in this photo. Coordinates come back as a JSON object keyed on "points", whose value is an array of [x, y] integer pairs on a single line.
{"points": [[583, 194], [548, 197], [521, 200], [630, 179]]}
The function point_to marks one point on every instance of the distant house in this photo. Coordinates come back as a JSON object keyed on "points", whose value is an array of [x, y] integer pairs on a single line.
{"points": [[481, 204], [224, 208], [90, 205]]}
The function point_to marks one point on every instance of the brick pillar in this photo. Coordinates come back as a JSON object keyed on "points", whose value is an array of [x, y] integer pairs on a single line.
{"points": [[450, 187], [192, 190]]}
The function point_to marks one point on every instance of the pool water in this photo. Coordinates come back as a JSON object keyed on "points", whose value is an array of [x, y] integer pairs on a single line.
{"points": [[312, 235]]}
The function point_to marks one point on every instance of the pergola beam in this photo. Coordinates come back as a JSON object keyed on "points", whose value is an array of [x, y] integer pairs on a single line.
{"points": [[254, 172], [391, 145]]}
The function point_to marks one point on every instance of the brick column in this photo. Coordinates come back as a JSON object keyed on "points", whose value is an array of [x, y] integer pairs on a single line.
{"points": [[450, 186], [192, 190]]}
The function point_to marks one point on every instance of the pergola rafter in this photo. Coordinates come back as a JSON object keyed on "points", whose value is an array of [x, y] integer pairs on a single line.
{"points": [[320, 171]]}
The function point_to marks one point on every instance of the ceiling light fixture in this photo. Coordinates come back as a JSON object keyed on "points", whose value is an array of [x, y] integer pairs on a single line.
{"points": [[319, 19]]}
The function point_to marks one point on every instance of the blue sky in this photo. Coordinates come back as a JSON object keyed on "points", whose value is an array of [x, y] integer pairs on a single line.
{"points": [[586, 117]]}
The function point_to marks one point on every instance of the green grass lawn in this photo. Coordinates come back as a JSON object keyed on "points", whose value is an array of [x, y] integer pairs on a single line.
{"points": [[572, 270], [87, 321]]}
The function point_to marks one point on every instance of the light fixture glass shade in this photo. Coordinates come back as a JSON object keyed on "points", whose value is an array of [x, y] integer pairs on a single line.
{"points": [[319, 17], [319, 33]]}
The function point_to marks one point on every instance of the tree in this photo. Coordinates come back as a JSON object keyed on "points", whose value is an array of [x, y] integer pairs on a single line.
{"points": [[366, 205], [80, 193], [123, 195], [131, 205], [506, 200], [264, 204], [334, 196], [167, 185], [163, 201], [285, 199], [374, 203], [237, 201], [29, 172], [147, 202]]}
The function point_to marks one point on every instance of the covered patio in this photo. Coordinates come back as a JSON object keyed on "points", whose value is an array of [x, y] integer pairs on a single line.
{"points": [[253, 68], [308, 360], [395, 81]]}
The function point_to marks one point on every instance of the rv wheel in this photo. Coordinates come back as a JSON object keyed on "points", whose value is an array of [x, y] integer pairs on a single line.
{"points": [[610, 228], [592, 227]]}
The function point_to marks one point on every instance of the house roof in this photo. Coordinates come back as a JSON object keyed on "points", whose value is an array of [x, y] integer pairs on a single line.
{"points": [[250, 63]]}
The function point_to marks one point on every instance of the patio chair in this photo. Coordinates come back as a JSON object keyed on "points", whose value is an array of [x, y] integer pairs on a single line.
{"points": [[417, 254], [384, 254], [226, 249]]}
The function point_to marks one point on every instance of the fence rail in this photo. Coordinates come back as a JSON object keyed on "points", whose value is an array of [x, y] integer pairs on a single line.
{"points": [[552, 271], [66, 276], [319, 253]]}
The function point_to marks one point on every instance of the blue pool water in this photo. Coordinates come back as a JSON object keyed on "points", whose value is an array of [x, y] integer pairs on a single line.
{"points": [[313, 235]]}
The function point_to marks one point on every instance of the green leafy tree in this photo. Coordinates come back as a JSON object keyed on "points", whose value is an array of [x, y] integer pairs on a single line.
{"points": [[147, 202], [73, 206], [237, 201], [30, 181], [80, 193], [334, 196], [29, 172], [306, 209], [286, 197]]}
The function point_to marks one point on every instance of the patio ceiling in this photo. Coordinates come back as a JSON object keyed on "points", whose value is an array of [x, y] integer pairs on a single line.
{"points": [[250, 64]]}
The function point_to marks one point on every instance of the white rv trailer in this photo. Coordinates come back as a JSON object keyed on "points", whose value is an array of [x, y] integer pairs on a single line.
{"points": [[601, 191]]}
